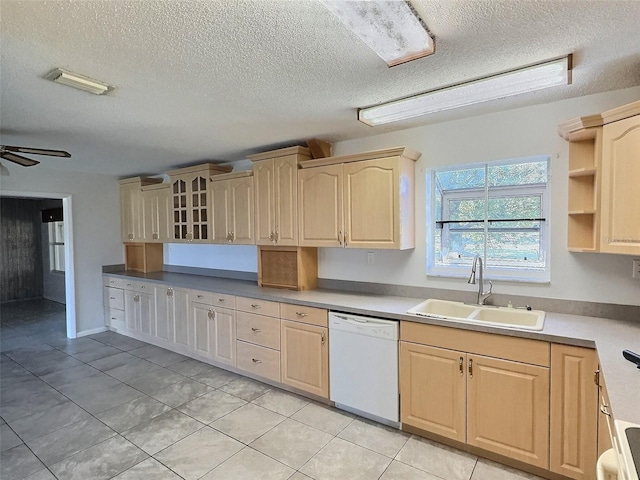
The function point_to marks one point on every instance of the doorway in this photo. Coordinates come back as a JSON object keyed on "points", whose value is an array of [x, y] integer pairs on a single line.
{"points": [[37, 256]]}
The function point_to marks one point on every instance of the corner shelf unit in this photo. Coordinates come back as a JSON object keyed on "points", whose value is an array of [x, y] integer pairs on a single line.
{"points": [[584, 170]]}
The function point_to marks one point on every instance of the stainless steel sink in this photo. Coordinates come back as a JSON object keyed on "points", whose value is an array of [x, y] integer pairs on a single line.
{"points": [[481, 315]]}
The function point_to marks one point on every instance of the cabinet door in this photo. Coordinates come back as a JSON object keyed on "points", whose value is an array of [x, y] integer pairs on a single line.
{"points": [[224, 336], [574, 412], [241, 210], [220, 205], [181, 307], [620, 232], [263, 202], [164, 313], [433, 390], [131, 213], [508, 409], [164, 214], [150, 208], [371, 198], [200, 339], [180, 210], [286, 200], [147, 313], [320, 206], [132, 310], [305, 357], [199, 203]]}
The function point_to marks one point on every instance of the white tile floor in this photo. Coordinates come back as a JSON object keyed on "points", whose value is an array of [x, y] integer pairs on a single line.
{"points": [[108, 406]]}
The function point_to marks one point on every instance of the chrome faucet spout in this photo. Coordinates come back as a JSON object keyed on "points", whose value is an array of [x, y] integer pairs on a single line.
{"points": [[482, 295]]}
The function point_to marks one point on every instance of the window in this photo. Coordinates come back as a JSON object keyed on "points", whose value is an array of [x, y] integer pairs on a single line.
{"points": [[496, 210], [56, 246]]}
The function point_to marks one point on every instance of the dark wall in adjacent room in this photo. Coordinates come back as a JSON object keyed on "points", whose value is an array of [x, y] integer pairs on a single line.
{"points": [[20, 249]]}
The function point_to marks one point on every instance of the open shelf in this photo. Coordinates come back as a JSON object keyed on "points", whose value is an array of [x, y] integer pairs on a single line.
{"points": [[584, 164]]}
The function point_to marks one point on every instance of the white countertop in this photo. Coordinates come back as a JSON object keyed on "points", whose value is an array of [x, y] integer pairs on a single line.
{"points": [[609, 336]]}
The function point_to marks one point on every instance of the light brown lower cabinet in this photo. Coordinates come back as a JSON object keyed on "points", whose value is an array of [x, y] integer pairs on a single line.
{"points": [[212, 332], [433, 383], [508, 409], [305, 357], [574, 411], [499, 405]]}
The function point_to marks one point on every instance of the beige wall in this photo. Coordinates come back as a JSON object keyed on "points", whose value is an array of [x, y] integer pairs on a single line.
{"points": [[508, 134], [95, 222]]}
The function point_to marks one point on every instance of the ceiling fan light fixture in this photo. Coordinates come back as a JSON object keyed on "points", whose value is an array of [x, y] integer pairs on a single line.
{"points": [[547, 74], [391, 28], [81, 82]]}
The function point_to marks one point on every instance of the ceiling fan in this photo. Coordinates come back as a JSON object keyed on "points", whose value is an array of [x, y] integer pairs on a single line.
{"points": [[8, 152]]}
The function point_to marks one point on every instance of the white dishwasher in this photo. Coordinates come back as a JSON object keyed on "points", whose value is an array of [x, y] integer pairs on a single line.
{"points": [[363, 359]]}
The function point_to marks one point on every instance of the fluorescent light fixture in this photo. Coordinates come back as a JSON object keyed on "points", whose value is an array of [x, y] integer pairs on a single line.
{"points": [[392, 29], [78, 81], [523, 80]]}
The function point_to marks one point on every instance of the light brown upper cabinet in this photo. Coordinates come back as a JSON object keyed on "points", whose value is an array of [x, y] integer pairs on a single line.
{"points": [[604, 161], [156, 201], [275, 176], [232, 198], [359, 201], [191, 214], [620, 230], [132, 223]]}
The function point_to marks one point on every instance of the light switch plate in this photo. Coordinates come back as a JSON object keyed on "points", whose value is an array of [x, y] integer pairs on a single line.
{"points": [[636, 269]]}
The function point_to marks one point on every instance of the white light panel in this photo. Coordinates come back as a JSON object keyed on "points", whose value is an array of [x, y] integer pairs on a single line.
{"points": [[390, 28], [537, 77]]}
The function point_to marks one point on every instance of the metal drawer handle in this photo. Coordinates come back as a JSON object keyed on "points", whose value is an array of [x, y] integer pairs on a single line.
{"points": [[200, 296], [302, 314], [471, 368], [254, 360], [461, 365], [222, 300], [255, 305], [255, 330], [323, 339], [603, 409], [142, 286], [113, 318], [112, 298], [136, 298], [211, 314]]}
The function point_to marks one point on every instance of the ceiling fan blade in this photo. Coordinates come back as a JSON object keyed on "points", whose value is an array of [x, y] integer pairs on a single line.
{"points": [[37, 151], [20, 160]]}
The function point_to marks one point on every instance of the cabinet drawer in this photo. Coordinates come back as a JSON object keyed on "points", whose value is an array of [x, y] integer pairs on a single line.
{"points": [[524, 350], [116, 282], [113, 317], [263, 307], [257, 360], [114, 298], [225, 301], [258, 329], [199, 296], [298, 313], [144, 287]]}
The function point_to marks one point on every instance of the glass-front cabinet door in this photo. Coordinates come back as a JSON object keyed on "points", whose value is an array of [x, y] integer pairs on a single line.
{"points": [[199, 208], [180, 210]]}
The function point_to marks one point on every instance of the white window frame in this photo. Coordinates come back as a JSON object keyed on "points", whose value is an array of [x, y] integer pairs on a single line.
{"points": [[491, 272]]}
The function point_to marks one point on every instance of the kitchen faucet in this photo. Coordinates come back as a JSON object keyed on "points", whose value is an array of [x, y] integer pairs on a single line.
{"points": [[482, 295]]}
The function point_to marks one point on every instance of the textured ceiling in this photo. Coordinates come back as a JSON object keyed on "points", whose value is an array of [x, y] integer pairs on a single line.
{"points": [[218, 79]]}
